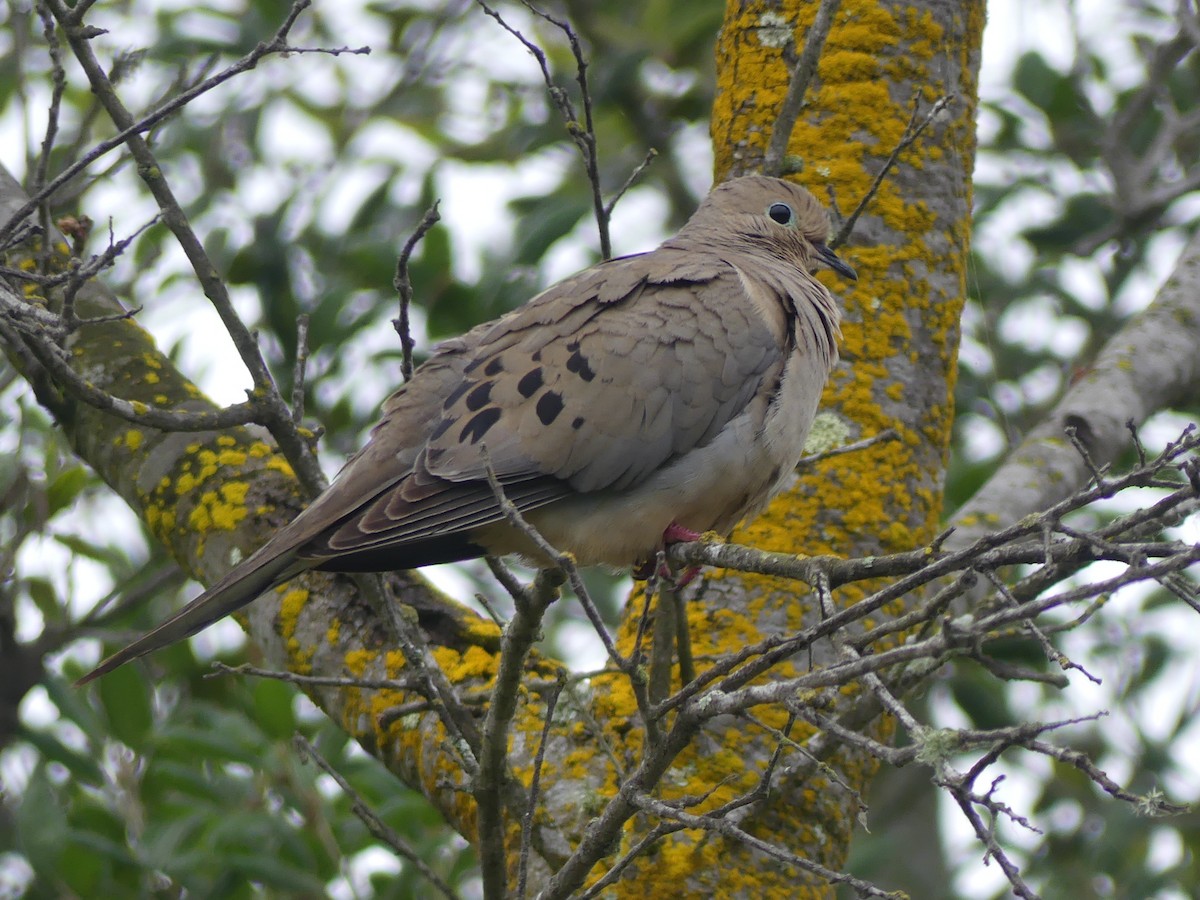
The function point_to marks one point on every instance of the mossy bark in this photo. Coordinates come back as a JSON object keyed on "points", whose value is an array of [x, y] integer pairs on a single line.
{"points": [[884, 66], [215, 496]]}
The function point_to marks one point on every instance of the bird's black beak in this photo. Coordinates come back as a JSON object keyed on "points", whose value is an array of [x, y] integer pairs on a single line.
{"points": [[832, 260]]}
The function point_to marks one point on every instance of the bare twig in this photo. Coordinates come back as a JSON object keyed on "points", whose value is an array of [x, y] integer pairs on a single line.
{"points": [[405, 683], [404, 291], [582, 133], [278, 45], [883, 437], [519, 636], [662, 645], [566, 563], [59, 81], [651, 154], [276, 416], [732, 832], [299, 368], [15, 309], [378, 828], [801, 75], [563, 561], [535, 788], [406, 629], [911, 133]]}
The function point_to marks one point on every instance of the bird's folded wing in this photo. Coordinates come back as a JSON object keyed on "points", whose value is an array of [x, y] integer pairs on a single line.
{"points": [[592, 386]]}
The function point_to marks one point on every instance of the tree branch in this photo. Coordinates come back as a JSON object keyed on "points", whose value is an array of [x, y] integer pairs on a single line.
{"points": [[1150, 364]]}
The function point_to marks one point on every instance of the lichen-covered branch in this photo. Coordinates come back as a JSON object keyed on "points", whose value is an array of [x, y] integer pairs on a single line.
{"points": [[743, 767], [1150, 364]]}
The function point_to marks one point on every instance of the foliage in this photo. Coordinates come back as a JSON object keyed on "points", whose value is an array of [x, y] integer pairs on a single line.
{"points": [[304, 175]]}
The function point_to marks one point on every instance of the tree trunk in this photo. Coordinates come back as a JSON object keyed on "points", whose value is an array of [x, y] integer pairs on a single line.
{"points": [[212, 497]]}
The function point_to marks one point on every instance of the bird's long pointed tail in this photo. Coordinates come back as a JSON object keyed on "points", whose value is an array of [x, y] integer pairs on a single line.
{"points": [[240, 586]]}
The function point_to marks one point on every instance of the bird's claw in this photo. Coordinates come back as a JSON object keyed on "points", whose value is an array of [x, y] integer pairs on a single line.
{"points": [[672, 534]]}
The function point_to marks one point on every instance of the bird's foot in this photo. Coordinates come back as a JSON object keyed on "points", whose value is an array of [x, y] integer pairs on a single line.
{"points": [[673, 534], [677, 534]]}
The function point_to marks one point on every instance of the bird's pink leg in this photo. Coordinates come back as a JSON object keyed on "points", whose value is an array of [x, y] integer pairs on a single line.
{"points": [[673, 534], [677, 534]]}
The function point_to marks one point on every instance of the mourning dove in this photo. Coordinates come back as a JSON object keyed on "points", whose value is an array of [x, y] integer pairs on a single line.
{"points": [[648, 398]]}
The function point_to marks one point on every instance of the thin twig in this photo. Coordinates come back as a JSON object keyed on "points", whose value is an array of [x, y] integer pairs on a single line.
{"points": [[379, 829], [405, 683], [651, 155], [277, 417], [460, 725], [566, 563], [403, 285], [801, 76], [732, 832], [1052, 652], [299, 368], [562, 560], [49, 356], [59, 81], [662, 644], [581, 133], [535, 785], [519, 636], [1072, 432], [911, 133], [278, 45], [883, 437]]}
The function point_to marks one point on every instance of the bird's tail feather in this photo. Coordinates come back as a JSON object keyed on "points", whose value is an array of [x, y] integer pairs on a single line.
{"points": [[237, 588]]}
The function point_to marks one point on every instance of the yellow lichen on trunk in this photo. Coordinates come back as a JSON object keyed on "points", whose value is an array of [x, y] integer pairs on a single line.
{"points": [[880, 59], [898, 354], [192, 490], [900, 337]]}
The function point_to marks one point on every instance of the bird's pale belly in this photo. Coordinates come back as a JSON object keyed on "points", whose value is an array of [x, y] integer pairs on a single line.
{"points": [[711, 488]]}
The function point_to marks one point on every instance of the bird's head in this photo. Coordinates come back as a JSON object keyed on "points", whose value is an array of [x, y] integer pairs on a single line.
{"points": [[774, 214]]}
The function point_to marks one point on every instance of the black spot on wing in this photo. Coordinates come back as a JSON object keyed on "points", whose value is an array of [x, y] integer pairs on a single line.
{"points": [[530, 383], [479, 397], [549, 405], [494, 367], [577, 422], [462, 388], [442, 427], [578, 363], [479, 424]]}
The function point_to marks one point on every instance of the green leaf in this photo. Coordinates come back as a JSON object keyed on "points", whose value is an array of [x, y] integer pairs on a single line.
{"points": [[219, 736], [67, 486], [106, 556], [41, 823], [273, 708], [273, 872], [82, 868], [73, 705], [45, 598], [169, 778], [1044, 86], [53, 750], [551, 222], [981, 698], [125, 697], [1084, 215]]}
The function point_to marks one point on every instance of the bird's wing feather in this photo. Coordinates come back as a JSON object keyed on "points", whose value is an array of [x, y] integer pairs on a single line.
{"points": [[592, 386], [595, 385]]}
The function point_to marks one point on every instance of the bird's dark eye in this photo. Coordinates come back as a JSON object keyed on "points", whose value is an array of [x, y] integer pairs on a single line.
{"points": [[781, 213]]}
